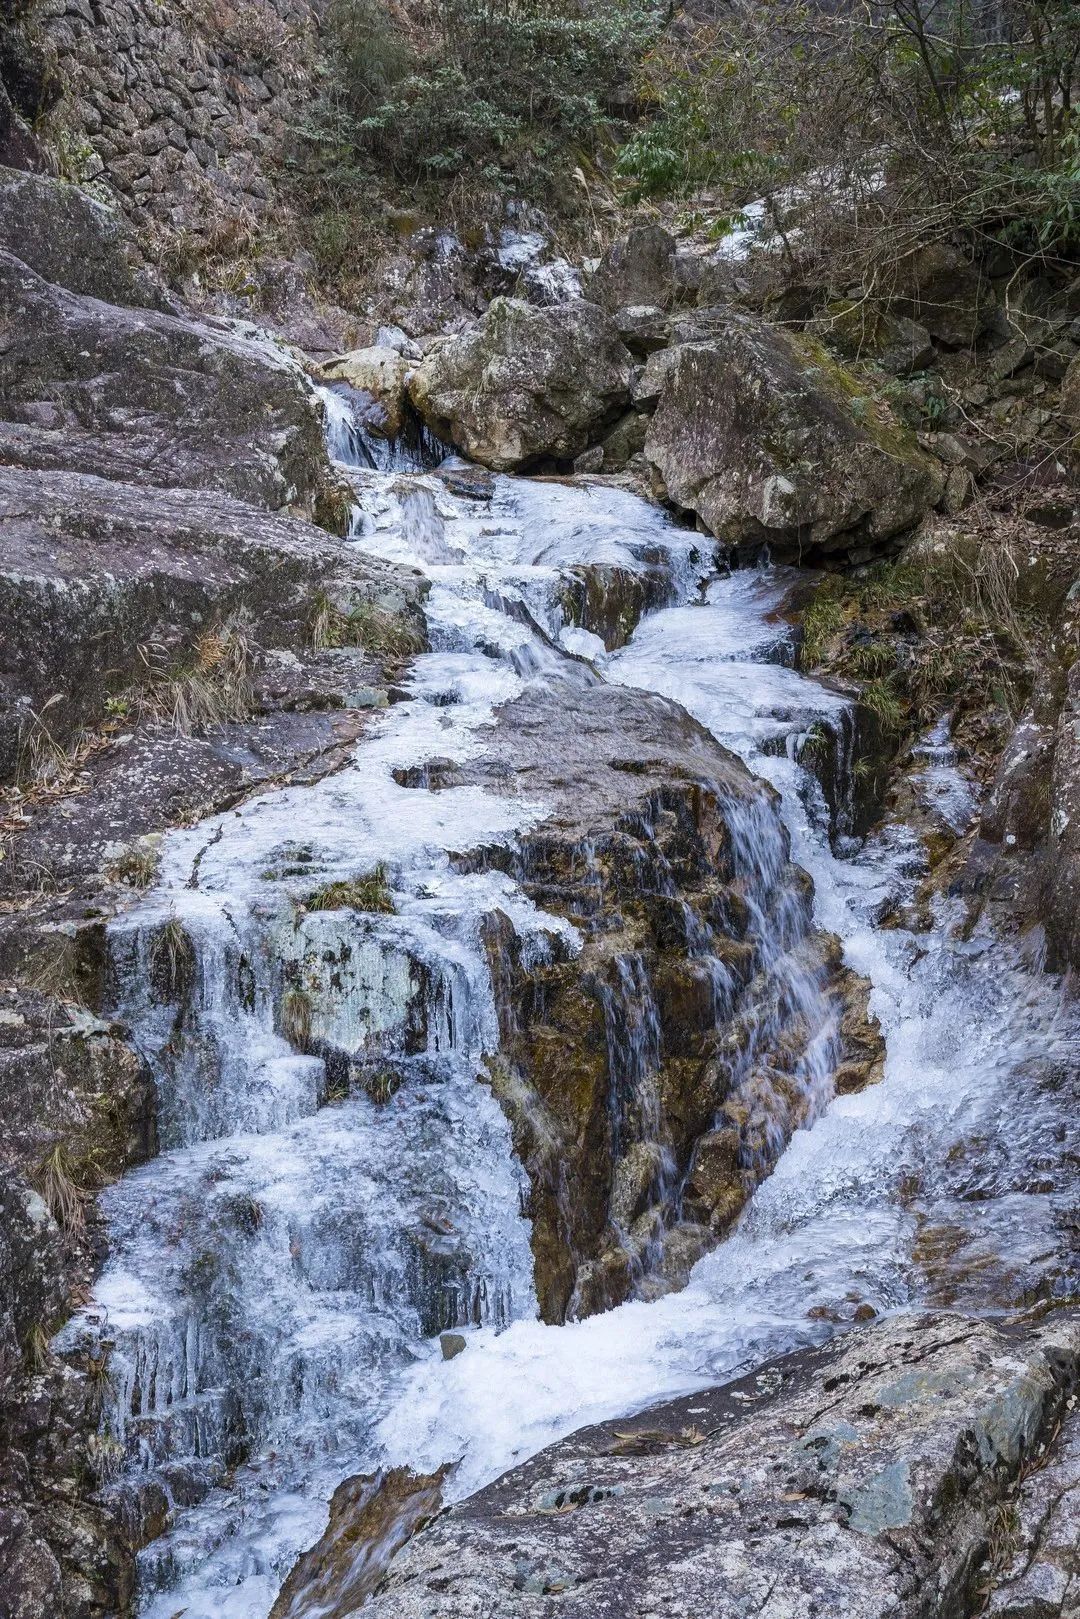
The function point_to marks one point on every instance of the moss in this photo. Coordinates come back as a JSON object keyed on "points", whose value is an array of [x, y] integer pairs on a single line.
{"points": [[862, 396], [369, 892]]}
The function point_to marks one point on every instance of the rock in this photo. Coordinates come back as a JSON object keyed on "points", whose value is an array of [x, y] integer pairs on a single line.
{"points": [[526, 384], [636, 853], [643, 328], [864, 330], [29, 75], [939, 288], [379, 376], [30, 1584], [371, 1517], [769, 441], [70, 240], [224, 412], [638, 268], [857, 1480], [614, 453], [1062, 886], [452, 1344], [97, 577]]}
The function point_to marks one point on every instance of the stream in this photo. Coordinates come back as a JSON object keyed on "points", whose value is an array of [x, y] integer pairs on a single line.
{"points": [[279, 1276]]}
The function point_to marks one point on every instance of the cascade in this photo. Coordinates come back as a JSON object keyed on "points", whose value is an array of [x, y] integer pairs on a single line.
{"points": [[336, 1188]]}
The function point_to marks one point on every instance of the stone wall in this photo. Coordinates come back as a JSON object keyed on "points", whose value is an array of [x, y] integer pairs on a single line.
{"points": [[178, 109]]}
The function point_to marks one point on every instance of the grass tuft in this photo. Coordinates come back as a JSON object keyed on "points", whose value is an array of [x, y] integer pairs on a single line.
{"points": [[59, 1182], [295, 1018], [376, 629], [172, 960], [370, 892]]}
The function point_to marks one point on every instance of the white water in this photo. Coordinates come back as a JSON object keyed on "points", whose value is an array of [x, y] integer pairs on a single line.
{"points": [[279, 1274]]}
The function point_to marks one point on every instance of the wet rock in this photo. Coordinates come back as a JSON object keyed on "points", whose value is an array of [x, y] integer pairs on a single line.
{"points": [[526, 384], [769, 441], [371, 1518], [452, 1345], [637, 269], [379, 376], [92, 571], [226, 413], [616, 1058], [859, 1479]]}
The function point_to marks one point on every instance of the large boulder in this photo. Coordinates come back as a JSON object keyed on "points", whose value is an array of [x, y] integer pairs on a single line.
{"points": [[70, 239], [925, 1466], [526, 384], [637, 269], [769, 441], [223, 411]]}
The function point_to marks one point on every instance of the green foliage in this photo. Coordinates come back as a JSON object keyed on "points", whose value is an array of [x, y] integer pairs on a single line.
{"points": [[512, 92]]}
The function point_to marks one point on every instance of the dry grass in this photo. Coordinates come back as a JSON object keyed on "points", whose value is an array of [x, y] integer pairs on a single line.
{"points": [[135, 866], [213, 689], [377, 630], [370, 892], [172, 960], [60, 1182], [295, 1018]]}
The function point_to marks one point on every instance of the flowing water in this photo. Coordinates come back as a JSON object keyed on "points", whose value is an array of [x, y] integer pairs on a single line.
{"points": [[335, 1188]]}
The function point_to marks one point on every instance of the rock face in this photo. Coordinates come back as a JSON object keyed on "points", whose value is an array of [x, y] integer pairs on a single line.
{"points": [[188, 403], [867, 1478], [526, 384], [79, 1106], [770, 442]]}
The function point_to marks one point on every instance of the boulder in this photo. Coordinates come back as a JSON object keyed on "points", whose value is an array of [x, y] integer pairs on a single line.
{"points": [[859, 330], [939, 288], [222, 410], [380, 377], [526, 384], [70, 240], [637, 269], [769, 441]]}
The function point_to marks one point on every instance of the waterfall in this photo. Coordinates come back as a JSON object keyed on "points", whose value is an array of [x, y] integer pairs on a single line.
{"points": [[336, 1188]]}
